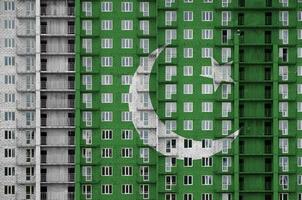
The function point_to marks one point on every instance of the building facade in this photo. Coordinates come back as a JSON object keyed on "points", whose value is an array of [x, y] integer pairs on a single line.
{"points": [[134, 99], [118, 157], [37, 100]]}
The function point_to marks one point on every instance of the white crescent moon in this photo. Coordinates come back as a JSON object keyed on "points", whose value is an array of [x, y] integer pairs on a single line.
{"points": [[157, 130]]}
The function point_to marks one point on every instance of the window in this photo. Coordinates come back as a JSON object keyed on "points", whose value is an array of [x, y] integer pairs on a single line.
{"points": [[107, 43], [9, 116], [106, 98], [107, 134], [87, 63], [9, 98], [144, 8], [144, 154], [188, 162], [209, 196], [9, 134], [106, 152], [188, 143], [87, 8], [144, 172], [106, 171], [206, 180], [126, 116], [170, 34], [299, 15], [127, 43], [206, 143], [126, 171], [188, 125], [226, 54], [207, 16], [283, 35], [226, 126], [9, 42], [127, 135], [106, 6], [188, 88], [126, 79], [87, 173], [206, 89], [87, 26], [170, 17], [126, 152], [144, 26], [188, 180], [206, 125], [9, 5], [126, 189], [284, 181], [188, 71], [9, 171], [283, 17], [206, 106], [87, 118], [127, 7], [9, 24], [9, 152], [207, 52], [225, 18], [126, 98], [127, 61], [188, 16], [106, 25], [207, 34], [9, 60], [226, 164], [188, 34], [188, 52], [87, 82], [9, 189], [144, 45], [106, 79], [106, 61], [170, 72], [127, 25], [87, 136], [299, 34], [299, 143], [106, 189], [106, 116], [188, 106], [87, 45]]}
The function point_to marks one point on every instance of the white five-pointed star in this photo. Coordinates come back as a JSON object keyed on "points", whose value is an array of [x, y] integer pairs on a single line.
{"points": [[218, 75]]}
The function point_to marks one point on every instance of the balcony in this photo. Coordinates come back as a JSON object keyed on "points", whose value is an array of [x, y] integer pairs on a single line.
{"points": [[57, 123], [25, 179], [57, 178], [57, 86], [57, 50], [57, 196], [50, 31], [22, 50], [57, 159], [59, 104], [21, 12], [60, 142], [22, 160], [68, 12], [23, 105]]}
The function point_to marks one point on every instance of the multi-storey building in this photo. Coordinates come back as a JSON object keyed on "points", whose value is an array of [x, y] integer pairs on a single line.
{"points": [[140, 130], [37, 100], [117, 151]]}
